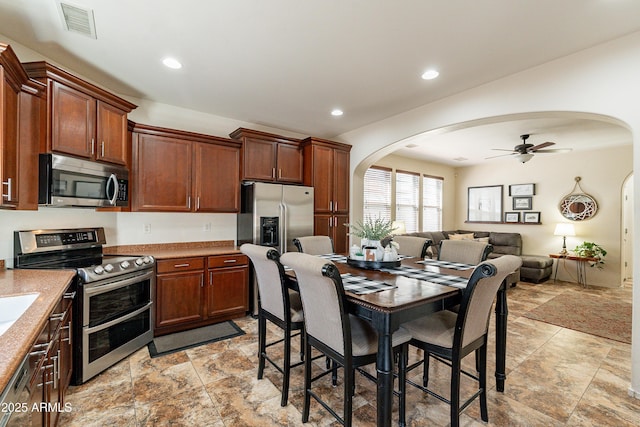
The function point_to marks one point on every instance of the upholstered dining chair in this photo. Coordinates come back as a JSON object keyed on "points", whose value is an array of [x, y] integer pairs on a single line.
{"points": [[412, 245], [464, 251], [278, 304], [349, 341], [314, 245], [449, 336]]}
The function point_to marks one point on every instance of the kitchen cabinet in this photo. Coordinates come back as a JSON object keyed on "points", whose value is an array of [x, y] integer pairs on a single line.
{"points": [[82, 119], [12, 76], [177, 171], [178, 293], [50, 367], [185, 299], [326, 169], [228, 291], [269, 157]]}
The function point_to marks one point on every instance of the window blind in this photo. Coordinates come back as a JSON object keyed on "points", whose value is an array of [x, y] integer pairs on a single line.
{"points": [[431, 203], [407, 199], [377, 193]]}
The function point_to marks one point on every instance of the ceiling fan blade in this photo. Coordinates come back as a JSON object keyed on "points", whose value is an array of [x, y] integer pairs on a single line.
{"points": [[500, 155], [543, 145], [555, 150], [501, 149]]}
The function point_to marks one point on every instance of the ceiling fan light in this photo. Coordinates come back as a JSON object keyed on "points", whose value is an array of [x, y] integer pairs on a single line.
{"points": [[524, 157]]}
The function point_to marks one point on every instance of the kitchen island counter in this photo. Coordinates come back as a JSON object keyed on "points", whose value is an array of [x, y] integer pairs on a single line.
{"points": [[18, 339]]}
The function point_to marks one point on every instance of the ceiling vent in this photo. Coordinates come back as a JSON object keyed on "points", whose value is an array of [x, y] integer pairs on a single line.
{"points": [[78, 20]]}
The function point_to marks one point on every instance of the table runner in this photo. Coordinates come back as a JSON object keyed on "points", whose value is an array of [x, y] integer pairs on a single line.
{"points": [[343, 259], [446, 264], [429, 276], [361, 285]]}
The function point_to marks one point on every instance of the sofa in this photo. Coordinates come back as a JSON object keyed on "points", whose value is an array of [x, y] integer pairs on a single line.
{"points": [[535, 268]]}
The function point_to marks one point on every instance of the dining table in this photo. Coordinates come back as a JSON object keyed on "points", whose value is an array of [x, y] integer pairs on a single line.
{"points": [[389, 294]]}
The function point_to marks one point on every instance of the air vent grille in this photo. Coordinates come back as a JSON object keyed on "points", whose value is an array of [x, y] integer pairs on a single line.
{"points": [[78, 20]]}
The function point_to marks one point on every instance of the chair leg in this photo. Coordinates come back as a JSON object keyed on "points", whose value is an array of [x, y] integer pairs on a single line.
{"points": [[334, 373], [303, 337], [307, 382], [262, 343], [286, 367], [349, 386], [425, 369], [455, 393], [402, 383], [482, 357]]}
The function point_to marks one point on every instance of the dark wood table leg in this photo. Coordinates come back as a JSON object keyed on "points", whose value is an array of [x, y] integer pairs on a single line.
{"points": [[384, 368], [501, 336]]}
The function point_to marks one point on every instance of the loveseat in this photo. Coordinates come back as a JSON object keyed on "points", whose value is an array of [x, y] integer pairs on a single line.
{"points": [[534, 268]]}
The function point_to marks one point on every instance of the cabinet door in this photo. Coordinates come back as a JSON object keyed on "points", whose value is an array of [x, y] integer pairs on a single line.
{"points": [[340, 234], [179, 298], [72, 121], [228, 291], [9, 102], [111, 142], [32, 138], [322, 179], [289, 167], [340, 182], [259, 160], [217, 178], [162, 174], [323, 225]]}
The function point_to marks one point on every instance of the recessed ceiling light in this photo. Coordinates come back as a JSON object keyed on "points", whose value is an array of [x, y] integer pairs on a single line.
{"points": [[337, 112], [172, 63], [430, 74]]}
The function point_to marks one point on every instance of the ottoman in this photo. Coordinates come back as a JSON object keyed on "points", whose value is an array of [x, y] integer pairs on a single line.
{"points": [[535, 268]]}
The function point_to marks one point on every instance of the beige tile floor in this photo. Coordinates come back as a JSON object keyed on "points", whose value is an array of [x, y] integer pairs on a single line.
{"points": [[556, 377]]}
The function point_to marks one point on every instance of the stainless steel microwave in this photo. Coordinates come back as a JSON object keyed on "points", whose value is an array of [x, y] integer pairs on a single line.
{"points": [[72, 182]]}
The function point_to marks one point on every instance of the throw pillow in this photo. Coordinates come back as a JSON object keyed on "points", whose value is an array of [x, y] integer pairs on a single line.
{"points": [[461, 236], [482, 239]]}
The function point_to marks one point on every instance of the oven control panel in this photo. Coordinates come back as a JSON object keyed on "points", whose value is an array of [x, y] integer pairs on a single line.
{"points": [[116, 265]]}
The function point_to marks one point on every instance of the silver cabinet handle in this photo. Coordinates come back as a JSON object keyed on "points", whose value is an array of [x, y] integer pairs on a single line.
{"points": [[279, 173], [102, 149], [93, 143], [198, 203], [188, 202], [8, 184], [181, 265], [273, 173], [230, 261]]}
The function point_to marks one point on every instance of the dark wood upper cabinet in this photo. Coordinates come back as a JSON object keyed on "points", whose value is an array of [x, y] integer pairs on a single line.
{"points": [[177, 171], [326, 169], [83, 119], [269, 157]]}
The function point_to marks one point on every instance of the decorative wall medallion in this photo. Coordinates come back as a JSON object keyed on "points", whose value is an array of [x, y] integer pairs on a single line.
{"points": [[578, 206]]}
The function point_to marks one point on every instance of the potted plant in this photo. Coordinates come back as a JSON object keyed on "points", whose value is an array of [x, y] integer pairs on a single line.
{"points": [[372, 231], [591, 250]]}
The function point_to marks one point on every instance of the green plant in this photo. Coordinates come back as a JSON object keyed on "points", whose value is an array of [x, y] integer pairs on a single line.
{"points": [[591, 250], [372, 229]]}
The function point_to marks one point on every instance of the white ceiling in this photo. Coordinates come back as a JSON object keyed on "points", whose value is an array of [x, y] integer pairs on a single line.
{"points": [[287, 63]]}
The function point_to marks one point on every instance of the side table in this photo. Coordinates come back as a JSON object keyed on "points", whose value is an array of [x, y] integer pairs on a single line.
{"points": [[581, 265]]}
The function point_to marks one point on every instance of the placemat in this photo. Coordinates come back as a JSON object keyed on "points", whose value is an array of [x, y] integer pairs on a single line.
{"points": [[446, 264], [361, 285], [429, 276]]}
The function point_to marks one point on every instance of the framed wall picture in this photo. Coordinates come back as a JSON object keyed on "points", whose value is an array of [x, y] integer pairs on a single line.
{"points": [[484, 204], [522, 190], [531, 217], [522, 203], [512, 217]]}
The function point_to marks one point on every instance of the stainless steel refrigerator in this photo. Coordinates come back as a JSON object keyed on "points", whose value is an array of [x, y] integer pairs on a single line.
{"points": [[275, 214]]}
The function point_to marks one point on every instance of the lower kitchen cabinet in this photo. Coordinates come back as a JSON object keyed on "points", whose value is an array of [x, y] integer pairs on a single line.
{"points": [[334, 227], [198, 291]]}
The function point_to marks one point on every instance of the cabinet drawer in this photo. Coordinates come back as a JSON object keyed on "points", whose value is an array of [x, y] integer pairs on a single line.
{"points": [[179, 264], [227, 260]]}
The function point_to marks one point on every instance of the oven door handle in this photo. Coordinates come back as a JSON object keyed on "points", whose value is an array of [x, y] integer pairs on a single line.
{"points": [[88, 331], [91, 290]]}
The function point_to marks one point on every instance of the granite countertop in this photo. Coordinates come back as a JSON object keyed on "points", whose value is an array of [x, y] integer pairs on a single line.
{"points": [[18, 339], [177, 250]]}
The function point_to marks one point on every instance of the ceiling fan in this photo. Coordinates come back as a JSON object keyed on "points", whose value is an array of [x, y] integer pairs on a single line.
{"points": [[524, 152]]}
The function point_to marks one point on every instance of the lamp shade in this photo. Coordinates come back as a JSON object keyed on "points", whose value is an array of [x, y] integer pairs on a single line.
{"points": [[564, 229], [524, 157], [399, 227]]}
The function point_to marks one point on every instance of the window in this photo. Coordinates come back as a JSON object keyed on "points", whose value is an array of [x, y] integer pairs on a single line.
{"points": [[407, 199], [431, 203], [377, 193]]}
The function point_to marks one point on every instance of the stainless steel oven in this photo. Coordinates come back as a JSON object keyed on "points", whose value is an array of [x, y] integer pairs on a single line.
{"points": [[113, 308]]}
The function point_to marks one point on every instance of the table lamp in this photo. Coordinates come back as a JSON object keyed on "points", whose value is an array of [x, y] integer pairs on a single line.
{"points": [[564, 229]]}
